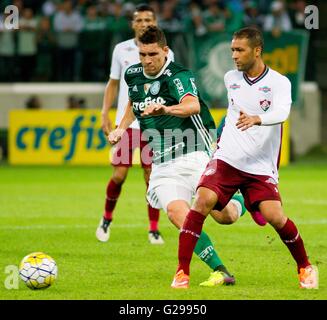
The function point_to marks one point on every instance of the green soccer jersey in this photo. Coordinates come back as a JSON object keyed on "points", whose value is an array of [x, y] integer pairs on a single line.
{"points": [[169, 136]]}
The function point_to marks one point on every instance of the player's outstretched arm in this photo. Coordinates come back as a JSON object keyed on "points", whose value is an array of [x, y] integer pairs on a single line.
{"points": [[109, 97], [128, 117], [188, 106]]}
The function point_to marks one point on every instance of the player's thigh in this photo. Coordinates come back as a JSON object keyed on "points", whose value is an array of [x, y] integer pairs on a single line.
{"points": [[258, 188], [164, 194], [217, 185]]}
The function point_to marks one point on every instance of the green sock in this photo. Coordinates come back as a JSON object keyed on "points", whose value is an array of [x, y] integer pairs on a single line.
{"points": [[239, 197], [205, 251]]}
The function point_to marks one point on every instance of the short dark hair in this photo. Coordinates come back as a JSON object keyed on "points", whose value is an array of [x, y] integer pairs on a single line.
{"points": [[153, 34], [254, 36], [144, 7]]}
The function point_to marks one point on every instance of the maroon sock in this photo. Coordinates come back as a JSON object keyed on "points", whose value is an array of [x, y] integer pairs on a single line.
{"points": [[113, 191], [153, 218], [291, 237], [188, 237], [153, 215]]}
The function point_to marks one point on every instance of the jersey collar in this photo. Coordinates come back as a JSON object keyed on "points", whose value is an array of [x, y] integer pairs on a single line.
{"points": [[161, 71], [257, 79]]}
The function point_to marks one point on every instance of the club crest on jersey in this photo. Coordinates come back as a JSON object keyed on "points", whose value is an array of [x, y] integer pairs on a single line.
{"points": [[265, 104], [155, 87], [234, 86], [265, 89]]}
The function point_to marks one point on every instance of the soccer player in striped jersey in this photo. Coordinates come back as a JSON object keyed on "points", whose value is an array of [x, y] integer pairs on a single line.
{"points": [[247, 156], [163, 97], [125, 54]]}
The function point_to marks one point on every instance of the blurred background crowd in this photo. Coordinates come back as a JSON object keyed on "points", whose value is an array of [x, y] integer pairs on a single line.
{"points": [[72, 40]]}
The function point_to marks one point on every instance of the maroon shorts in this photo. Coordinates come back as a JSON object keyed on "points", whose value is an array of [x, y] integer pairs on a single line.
{"points": [[124, 149], [225, 180]]}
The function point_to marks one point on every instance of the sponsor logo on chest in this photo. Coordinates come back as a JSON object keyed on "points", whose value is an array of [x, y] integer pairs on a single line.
{"points": [[234, 86], [264, 89], [140, 106]]}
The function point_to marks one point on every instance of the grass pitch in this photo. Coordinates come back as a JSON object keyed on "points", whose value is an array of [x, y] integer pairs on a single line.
{"points": [[57, 209]]}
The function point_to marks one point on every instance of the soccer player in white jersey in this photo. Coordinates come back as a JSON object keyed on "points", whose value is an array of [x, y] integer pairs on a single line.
{"points": [[125, 54], [247, 156]]}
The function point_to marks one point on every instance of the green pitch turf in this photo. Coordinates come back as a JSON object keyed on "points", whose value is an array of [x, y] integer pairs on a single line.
{"points": [[57, 209]]}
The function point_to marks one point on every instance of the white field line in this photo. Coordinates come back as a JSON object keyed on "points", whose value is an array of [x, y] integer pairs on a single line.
{"points": [[311, 202], [138, 225]]}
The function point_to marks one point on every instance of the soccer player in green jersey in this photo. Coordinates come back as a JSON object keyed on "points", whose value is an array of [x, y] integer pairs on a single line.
{"points": [[163, 97]]}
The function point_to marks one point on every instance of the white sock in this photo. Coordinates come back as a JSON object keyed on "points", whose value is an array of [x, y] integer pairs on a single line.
{"points": [[238, 206]]}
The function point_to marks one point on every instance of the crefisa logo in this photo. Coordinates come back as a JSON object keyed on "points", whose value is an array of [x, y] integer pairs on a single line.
{"points": [[82, 134]]}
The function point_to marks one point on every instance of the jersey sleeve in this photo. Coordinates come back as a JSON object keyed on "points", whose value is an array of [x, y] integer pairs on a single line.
{"points": [[183, 84], [282, 104], [115, 69], [226, 78]]}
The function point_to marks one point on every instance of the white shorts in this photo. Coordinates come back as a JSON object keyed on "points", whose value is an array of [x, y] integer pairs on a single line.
{"points": [[176, 179]]}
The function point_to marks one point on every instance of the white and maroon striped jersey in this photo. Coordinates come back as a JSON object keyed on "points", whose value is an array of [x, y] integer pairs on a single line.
{"points": [[257, 149], [124, 55]]}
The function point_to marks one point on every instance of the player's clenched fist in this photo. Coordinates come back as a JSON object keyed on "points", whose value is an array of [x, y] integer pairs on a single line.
{"points": [[115, 136], [105, 123]]}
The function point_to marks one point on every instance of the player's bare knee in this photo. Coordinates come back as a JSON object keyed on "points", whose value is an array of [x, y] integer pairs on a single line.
{"points": [[173, 217], [277, 221], [119, 175], [204, 203], [176, 216]]}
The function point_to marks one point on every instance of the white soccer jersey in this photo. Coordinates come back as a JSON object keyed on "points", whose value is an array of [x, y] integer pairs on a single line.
{"points": [[125, 54], [257, 149]]}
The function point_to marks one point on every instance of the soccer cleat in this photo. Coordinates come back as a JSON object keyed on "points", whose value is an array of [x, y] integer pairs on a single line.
{"points": [[309, 277], [181, 280], [216, 279], [103, 231], [258, 218], [155, 237], [229, 280]]}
